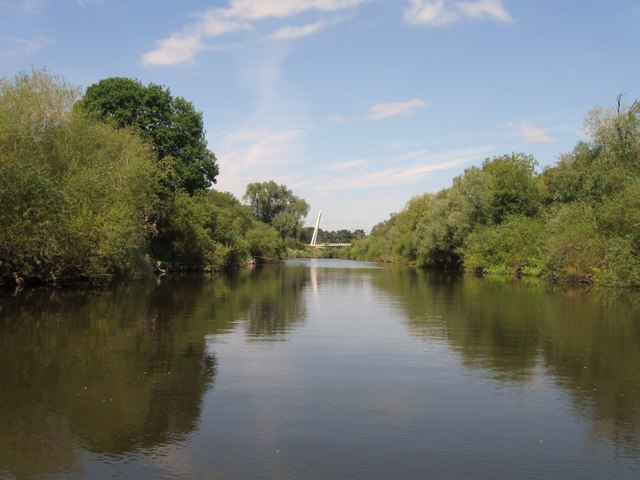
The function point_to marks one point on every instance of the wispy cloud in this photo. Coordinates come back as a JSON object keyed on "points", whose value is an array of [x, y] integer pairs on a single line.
{"points": [[252, 10], [532, 134], [422, 12], [445, 12], [182, 47], [409, 173], [382, 111], [337, 119], [28, 46], [175, 49], [255, 154], [211, 24], [347, 165], [409, 156], [491, 9], [288, 33]]}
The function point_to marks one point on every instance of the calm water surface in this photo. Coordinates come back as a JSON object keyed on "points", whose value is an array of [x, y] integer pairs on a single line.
{"points": [[320, 369]]}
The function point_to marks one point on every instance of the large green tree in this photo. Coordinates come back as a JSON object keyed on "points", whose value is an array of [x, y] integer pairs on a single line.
{"points": [[277, 206], [170, 124]]}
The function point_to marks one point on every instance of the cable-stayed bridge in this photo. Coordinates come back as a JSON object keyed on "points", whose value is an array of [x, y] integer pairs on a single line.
{"points": [[314, 239]]}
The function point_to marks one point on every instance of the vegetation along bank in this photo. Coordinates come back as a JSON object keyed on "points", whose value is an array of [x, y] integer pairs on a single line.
{"points": [[576, 221], [117, 183]]}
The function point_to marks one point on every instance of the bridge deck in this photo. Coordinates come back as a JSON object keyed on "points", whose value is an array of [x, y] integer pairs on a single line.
{"points": [[331, 245]]}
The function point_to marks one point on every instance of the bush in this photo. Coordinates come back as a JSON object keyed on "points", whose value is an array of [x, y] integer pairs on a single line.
{"points": [[621, 266], [79, 190], [513, 247], [575, 247]]}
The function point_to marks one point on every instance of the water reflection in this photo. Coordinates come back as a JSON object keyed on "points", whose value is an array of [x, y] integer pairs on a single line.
{"points": [[123, 371], [110, 371], [588, 342], [121, 381], [272, 302]]}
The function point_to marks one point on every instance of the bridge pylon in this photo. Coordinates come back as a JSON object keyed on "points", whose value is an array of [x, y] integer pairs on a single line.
{"points": [[314, 238]]}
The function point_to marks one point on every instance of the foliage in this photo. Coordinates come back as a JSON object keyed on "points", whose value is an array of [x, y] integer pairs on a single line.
{"points": [[264, 242], [97, 188], [332, 236], [576, 221], [78, 191], [391, 240], [513, 189], [277, 206], [88, 199], [170, 124], [440, 232], [515, 246], [503, 186], [214, 231]]}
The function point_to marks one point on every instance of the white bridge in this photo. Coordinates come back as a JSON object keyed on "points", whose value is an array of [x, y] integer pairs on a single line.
{"points": [[314, 239]]}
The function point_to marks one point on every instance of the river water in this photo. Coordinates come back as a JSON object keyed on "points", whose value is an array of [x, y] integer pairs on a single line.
{"points": [[320, 369]]}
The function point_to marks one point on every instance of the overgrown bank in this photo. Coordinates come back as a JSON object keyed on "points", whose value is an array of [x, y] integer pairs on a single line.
{"points": [[577, 221], [117, 183]]}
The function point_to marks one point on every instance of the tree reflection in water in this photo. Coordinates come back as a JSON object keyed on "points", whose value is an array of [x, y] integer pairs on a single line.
{"points": [[116, 372], [123, 371], [589, 342]]}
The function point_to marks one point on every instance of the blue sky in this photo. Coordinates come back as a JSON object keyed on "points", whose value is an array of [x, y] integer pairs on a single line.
{"points": [[356, 105]]}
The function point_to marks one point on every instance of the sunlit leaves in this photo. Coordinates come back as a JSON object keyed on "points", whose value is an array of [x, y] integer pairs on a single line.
{"points": [[575, 221]]}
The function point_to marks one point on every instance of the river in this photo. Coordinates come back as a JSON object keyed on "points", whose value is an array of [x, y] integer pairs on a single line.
{"points": [[320, 369]]}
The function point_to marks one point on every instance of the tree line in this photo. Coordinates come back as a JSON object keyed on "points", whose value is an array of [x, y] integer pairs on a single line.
{"points": [[575, 221], [117, 182], [332, 236]]}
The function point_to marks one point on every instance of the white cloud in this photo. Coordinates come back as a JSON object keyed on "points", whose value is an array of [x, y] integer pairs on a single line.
{"points": [[533, 134], [175, 49], [382, 111], [29, 45], [485, 9], [337, 119], [182, 47], [212, 25], [287, 33], [424, 12], [445, 12], [257, 10]]}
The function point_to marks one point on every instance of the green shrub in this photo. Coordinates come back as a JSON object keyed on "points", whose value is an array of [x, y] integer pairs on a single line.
{"points": [[621, 266], [79, 191], [514, 246], [575, 247]]}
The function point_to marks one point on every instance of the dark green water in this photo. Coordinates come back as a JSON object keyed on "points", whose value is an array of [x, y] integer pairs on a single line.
{"points": [[320, 369]]}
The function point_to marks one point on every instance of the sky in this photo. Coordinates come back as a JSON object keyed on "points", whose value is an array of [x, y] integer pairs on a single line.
{"points": [[355, 105]]}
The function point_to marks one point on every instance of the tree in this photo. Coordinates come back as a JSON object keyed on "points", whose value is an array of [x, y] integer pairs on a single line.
{"points": [[513, 190], [277, 206], [172, 126], [76, 193]]}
